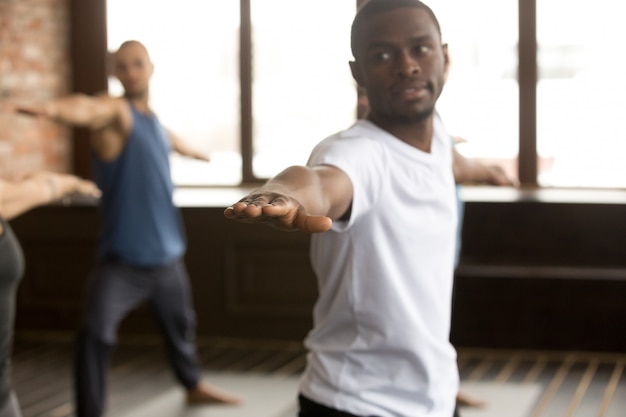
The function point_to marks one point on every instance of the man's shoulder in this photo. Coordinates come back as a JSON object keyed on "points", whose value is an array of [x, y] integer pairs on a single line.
{"points": [[360, 130], [357, 144], [360, 134]]}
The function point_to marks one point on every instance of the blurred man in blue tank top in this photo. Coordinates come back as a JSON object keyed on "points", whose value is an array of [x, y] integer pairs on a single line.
{"points": [[142, 244]]}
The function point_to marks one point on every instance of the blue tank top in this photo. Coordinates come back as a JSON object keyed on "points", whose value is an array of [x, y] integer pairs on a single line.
{"points": [[141, 225]]}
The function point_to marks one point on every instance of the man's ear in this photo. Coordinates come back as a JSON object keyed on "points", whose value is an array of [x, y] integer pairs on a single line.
{"points": [[446, 62], [356, 74]]}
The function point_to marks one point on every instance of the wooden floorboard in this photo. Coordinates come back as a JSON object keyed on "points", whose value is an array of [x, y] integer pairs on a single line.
{"points": [[573, 384]]}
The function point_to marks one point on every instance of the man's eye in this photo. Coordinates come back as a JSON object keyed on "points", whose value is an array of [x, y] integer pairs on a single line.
{"points": [[421, 49], [382, 56]]}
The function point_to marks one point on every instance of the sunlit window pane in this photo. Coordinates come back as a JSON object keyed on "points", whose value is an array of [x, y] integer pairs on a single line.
{"points": [[581, 102], [195, 87], [480, 101], [302, 87]]}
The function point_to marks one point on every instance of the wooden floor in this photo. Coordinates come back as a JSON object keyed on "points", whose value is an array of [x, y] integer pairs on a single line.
{"points": [[574, 384]]}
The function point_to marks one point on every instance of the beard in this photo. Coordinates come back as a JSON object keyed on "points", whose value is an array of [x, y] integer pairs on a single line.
{"points": [[393, 116], [416, 117]]}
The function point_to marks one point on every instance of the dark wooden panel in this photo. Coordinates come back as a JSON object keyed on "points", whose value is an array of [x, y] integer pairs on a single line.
{"points": [[59, 246], [269, 279], [542, 275], [248, 281], [532, 275], [532, 233], [526, 313]]}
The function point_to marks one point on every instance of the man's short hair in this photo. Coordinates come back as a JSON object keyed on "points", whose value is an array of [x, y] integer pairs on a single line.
{"points": [[374, 7]]}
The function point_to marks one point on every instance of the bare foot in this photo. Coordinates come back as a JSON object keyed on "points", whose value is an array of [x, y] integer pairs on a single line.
{"points": [[204, 393], [464, 400]]}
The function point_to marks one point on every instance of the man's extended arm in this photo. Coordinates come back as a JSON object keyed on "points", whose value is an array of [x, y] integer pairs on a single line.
{"points": [[299, 198]]}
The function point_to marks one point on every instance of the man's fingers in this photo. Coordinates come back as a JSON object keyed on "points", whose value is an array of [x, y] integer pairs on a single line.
{"points": [[243, 209], [280, 216], [291, 218], [316, 224]]}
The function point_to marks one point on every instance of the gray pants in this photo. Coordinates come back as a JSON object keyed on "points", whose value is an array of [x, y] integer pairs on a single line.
{"points": [[11, 271], [113, 291], [12, 408]]}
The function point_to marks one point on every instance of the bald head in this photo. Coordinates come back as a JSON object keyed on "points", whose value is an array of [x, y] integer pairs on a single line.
{"points": [[133, 68], [133, 44]]}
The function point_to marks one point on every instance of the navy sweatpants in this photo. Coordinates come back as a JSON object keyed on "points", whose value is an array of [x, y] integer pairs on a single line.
{"points": [[113, 291]]}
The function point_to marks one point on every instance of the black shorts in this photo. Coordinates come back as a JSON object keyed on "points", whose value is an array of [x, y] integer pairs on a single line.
{"points": [[309, 408]]}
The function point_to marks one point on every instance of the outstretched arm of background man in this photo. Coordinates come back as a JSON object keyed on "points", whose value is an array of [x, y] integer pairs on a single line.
{"points": [[470, 171], [78, 110], [298, 199], [17, 197], [182, 147]]}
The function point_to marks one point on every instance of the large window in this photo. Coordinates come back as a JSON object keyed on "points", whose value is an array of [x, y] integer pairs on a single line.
{"points": [[301, 87], [534, 86], [581, 100]]}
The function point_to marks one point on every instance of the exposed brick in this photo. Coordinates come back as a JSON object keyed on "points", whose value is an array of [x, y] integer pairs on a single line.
{"points": [[34, 67]]}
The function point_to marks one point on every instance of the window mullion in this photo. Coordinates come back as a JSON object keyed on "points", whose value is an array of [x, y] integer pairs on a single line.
{"points": [[245, 68], [527, 79]]}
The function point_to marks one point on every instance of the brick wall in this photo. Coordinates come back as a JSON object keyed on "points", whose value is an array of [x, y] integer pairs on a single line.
{"points": [[34, 67]]}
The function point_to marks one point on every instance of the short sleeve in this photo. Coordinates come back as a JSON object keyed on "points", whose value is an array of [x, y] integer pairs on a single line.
{"points": [[363, 160]]}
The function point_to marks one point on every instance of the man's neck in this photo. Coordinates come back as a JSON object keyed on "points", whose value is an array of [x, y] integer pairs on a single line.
{"points": [[140, 102], [417, 134], [141, 107]]}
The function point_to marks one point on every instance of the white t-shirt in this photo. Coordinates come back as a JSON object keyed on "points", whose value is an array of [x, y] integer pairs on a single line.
{"points": [[380, 343]]}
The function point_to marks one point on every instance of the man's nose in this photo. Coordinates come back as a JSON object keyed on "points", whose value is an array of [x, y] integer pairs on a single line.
{"points": [[407, 65]]}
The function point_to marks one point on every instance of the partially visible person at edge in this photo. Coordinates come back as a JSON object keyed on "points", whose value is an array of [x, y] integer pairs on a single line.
{"points": [[379, 200], [142, 243], [17, 197]]}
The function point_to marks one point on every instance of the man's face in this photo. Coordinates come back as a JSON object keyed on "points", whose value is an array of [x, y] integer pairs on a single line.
{"points": [[401, 63], [133, 68]]}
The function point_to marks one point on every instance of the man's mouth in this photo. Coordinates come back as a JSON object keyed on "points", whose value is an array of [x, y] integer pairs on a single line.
{"points": [[411, 92]]}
